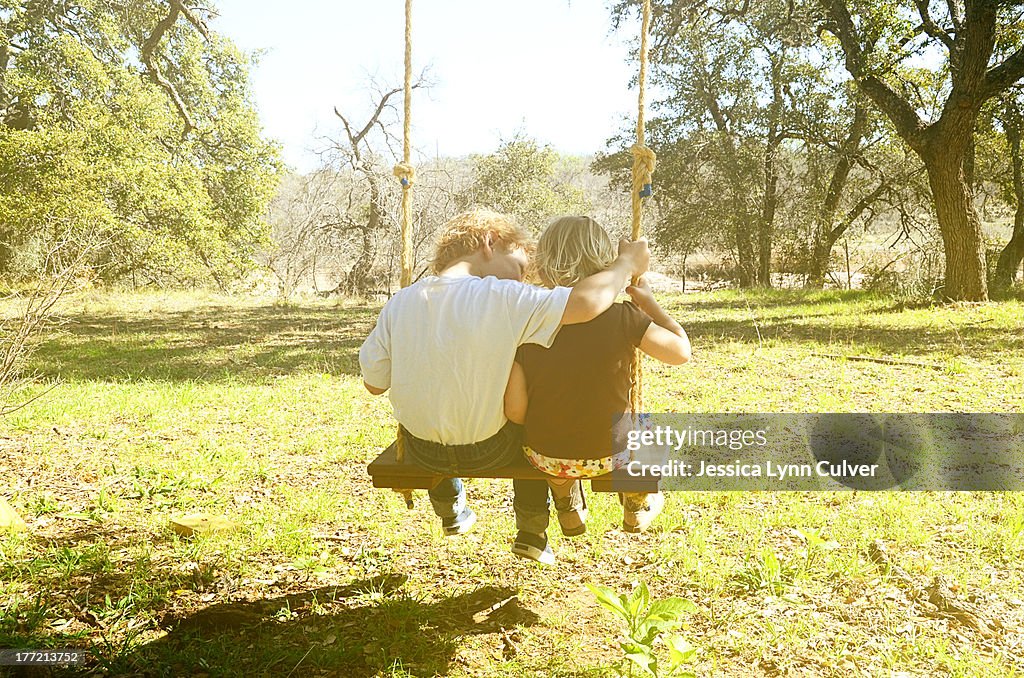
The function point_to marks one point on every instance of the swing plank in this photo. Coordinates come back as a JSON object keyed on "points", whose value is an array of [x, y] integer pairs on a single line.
{"points": [[387, 472]]}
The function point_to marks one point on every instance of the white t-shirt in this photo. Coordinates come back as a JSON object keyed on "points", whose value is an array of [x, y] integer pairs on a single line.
{"points": [[445, 346]]}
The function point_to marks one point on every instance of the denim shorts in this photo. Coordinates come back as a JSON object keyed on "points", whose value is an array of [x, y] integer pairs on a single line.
{"points": [[502, 449]]}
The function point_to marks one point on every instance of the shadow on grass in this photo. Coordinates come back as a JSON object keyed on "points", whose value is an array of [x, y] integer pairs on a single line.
{"points": [[356, 630], [976, 341], [761, 298], [209, 344]]}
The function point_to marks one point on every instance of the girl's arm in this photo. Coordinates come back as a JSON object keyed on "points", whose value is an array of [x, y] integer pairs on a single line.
{"points": [[665, 339], [515, 395]]}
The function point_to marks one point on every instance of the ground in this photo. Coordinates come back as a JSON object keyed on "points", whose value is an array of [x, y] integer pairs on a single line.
{"points": [[177, 403]]}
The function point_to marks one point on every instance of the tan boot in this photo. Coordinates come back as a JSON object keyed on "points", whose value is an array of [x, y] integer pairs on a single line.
{"points": [[571, 505], [639, 510]]}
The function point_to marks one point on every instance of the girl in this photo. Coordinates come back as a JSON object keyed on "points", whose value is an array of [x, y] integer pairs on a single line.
{"points": [[568, 396]]}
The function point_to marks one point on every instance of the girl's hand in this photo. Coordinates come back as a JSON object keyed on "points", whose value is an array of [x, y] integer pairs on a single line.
{"points": [[642, 295]]}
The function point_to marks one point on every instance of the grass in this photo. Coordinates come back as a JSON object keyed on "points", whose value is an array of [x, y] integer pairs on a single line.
{"points": [[176, 403]]}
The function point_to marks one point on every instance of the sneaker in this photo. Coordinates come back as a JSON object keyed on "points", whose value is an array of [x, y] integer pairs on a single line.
{"points": [[533, 547], [459, 524], [637, 516]]}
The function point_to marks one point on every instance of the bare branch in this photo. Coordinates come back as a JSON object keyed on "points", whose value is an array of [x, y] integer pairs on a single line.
{"points": [[929, 26]]}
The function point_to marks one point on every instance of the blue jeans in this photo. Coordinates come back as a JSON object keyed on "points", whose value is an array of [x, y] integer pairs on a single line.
{"points": [[448, 497]]}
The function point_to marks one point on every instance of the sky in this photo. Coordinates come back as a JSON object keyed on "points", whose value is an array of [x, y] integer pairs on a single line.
{"points": [[551, 69]]}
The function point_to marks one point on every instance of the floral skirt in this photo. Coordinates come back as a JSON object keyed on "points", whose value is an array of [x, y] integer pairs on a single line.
{"points": [[576, 468]]}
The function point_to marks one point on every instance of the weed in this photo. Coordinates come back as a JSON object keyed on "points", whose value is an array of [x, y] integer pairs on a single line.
{"points": [[647, 622], [763, 571]]}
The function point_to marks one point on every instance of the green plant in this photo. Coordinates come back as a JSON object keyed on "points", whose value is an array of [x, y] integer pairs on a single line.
{"points": [[815, 545], [647, 622], [765, 571]]}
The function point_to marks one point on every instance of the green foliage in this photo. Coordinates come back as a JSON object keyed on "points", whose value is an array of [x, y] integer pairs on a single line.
{"points": [[647, 622], [521, 178], [764, 571], [170, 187], [815, 546]]}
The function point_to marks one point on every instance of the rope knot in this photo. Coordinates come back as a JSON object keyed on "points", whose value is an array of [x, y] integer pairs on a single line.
{"points": [[406, 173], [644, 161]]}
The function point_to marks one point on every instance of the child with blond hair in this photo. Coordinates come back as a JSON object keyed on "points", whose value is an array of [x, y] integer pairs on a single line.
{"points": [[444, 347], [569, 394]]}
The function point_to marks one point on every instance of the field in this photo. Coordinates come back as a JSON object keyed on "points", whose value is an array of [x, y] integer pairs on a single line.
{"points": [[175, 403]]}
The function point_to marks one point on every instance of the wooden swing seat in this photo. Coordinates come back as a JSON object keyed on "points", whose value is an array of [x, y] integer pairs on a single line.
{"points": [[388, 472]]}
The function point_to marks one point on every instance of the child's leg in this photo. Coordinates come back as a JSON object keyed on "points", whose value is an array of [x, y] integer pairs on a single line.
{"points": [[448, 499], [530, 501], [532, 514], [570, 504]]}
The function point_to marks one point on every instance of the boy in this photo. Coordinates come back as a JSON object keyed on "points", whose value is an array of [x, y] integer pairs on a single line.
{"points": [[445, 345]]}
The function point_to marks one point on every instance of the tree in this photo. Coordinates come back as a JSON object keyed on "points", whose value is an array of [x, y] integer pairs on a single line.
{"points": [[521, 179], [729, 73], [1011, 116], [130, 125], [878, 40], [858, 171], [356, 153], [766, 137]]}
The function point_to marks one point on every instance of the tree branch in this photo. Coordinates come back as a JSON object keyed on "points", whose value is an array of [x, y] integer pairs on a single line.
{"points": [[903, 116], [192, 18], [148, 57], [929, 26], [1005, 74], [381, 105]]}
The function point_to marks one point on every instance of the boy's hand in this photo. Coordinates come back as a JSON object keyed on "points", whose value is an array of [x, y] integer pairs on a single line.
{"points": [[642, 295], [637, 253]]}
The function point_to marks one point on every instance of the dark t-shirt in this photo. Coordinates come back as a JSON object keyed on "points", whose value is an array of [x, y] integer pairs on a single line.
{"points": [[581, 383]]}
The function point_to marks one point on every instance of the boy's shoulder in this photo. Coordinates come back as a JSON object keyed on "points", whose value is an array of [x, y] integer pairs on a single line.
{"points": [[476, 284], [471, 285]]}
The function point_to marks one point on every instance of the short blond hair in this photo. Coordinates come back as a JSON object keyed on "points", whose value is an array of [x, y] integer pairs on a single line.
{"points": [[571, 249], [467, 232]]}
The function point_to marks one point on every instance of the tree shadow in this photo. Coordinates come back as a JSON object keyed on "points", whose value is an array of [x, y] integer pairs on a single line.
{"points": [[976, 341], [766, 298], [355, 630], [209, 344]]}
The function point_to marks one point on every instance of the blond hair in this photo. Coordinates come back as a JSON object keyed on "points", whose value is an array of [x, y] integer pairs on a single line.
{"points": [[570, 249], [467, 232]]}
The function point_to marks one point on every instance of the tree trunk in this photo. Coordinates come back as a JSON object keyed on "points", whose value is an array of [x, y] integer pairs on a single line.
{"points": [[745, 255], [821, 255], [960, 227], [766, 226], [357, 279], [1013, 253], [6, 257], [825, 235]]}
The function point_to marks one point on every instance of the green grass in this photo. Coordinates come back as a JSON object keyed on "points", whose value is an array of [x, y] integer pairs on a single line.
{"points": [[175, 403]]}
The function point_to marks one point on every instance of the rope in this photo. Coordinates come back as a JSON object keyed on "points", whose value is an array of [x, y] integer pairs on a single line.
{"points": [[404, 170], [643, 167], [406, 173]]}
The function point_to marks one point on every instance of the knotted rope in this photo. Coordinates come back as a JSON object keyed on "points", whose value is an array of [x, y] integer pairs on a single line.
{"points": [[406, 173], [644, 161]]}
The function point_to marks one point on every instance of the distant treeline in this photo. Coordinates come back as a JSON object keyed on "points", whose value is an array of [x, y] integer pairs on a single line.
{"points": [[785, 129]]}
